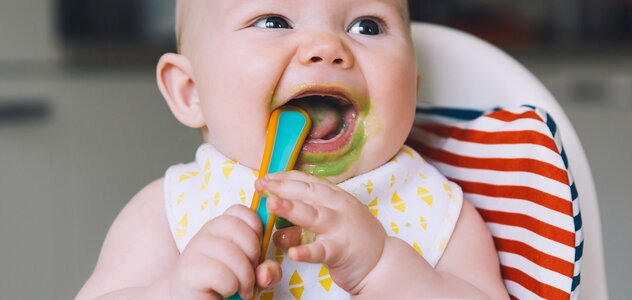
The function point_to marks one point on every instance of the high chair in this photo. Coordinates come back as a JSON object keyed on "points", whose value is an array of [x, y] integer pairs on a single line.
{"points": [[460, 70]]}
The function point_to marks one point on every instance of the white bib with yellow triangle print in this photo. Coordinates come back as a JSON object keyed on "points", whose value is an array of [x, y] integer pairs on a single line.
{"points": [[411, 199]]}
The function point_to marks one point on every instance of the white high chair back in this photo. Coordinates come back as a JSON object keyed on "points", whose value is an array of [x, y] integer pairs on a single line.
{"points": [[460, 70]]}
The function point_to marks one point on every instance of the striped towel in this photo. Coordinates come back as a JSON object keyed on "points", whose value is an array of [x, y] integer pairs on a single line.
{"points": [[513, 168]]}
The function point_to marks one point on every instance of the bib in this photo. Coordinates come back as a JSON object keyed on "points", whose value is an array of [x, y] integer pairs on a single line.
{"points": [[411, 199]]}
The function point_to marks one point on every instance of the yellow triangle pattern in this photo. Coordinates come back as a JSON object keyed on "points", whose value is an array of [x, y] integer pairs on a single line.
{"points": [[204, 205], [207, 179], [392, 180], [369, 187], [180, 198], [373, 207], [242, 196], [423, 223], [395, 227], [398, 203], [180, 233], [184, 221], [296, 285], [422, 175], [188, 175], [267, 296], [228, 168], [447, 187], [425, 195], [207, 165], [216, 199], [324, 278], [418, 249], [408, 151]]}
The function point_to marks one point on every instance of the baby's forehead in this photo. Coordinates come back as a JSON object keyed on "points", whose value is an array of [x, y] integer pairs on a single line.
{"points": [[219, 5]]}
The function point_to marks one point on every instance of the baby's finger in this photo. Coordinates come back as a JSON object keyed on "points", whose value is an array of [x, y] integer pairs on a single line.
{"points": [[247, 215], [237, 262], [268, 274], [319, 219], [238, 232], [212, 274], [311, 253], [310, 192], [297, 175]]}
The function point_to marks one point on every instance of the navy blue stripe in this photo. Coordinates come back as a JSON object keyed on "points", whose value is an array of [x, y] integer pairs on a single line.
{"points": [[578, 221], [574, 193], [579, 251], [576, 281], [564, 158], [529, 106], [551, 124], [456, 113]]}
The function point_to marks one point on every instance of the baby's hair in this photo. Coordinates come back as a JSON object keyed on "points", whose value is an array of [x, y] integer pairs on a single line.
{"points": [[182, 7]]}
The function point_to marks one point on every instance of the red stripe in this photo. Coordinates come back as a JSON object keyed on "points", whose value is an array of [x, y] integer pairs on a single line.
{"points": [[530, 223], [536, 256], [496, 164], [517, 192], [491, 138], [541, 289], [508, 116], [512, 297]]}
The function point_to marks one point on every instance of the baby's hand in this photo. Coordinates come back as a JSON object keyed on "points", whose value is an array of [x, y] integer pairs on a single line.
{"points": [[350, 240], [222, 257]]}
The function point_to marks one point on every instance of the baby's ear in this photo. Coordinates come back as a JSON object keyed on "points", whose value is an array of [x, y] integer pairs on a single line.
{"points": [[174, 76]]}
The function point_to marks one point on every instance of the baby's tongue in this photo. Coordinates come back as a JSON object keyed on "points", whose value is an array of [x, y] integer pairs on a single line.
{"points": [[326, 119]]}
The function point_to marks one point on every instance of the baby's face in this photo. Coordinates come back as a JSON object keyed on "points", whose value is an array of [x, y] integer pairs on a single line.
{"points": [[349, 63]]}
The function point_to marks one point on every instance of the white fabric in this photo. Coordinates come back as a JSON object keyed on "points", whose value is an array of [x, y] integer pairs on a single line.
{"points": [[412, 200]]}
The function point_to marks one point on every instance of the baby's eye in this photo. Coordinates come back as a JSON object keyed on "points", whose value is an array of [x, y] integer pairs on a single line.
{"points": [[272, 22], [365, 26]]}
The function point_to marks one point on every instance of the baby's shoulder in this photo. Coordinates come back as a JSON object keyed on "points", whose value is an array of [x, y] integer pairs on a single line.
{"points": [[149, 200]]}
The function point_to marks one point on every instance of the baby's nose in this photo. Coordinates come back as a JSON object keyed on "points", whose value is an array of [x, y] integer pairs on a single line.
{"points": [[325, 48]]}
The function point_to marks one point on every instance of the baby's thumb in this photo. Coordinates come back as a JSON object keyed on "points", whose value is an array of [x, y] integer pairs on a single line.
{"points": [[268, 274]]}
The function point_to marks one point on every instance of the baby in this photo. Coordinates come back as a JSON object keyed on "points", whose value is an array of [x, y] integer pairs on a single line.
{"points": [[384, 224]]}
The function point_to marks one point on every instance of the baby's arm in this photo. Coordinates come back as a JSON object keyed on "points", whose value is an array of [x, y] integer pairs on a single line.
{"points": [[139, 259], [138, 251], [469, 267]]}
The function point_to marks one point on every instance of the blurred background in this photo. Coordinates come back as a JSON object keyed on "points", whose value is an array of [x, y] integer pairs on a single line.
{"points": [[83, 127]]}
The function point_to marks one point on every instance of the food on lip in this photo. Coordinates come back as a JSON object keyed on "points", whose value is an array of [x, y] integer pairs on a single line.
{"points": [[339, 112]]}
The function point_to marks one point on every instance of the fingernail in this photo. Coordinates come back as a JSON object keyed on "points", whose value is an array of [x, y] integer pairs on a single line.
{"points": [[249, 294]]}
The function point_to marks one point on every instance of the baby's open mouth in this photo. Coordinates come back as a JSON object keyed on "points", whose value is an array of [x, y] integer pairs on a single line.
{"points": [[333, 121]]}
